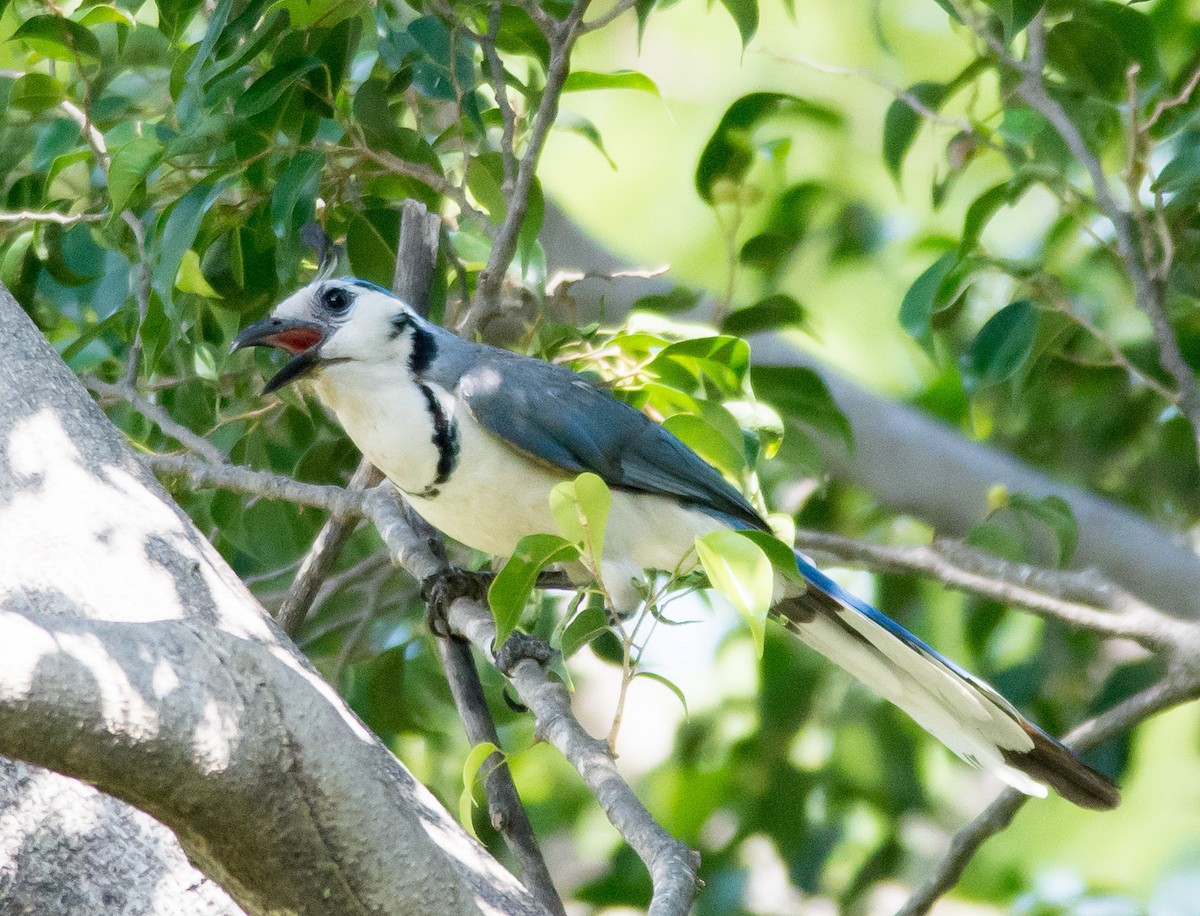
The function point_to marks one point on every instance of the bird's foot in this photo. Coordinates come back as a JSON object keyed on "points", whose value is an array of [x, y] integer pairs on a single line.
{"points": [[520, 646], [442, 589]]}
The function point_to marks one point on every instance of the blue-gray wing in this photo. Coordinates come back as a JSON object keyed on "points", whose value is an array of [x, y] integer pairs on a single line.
{"points": [[559, 417]]}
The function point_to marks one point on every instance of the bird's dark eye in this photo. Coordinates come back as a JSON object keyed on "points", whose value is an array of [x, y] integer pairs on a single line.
{"points": [[335, 300]]}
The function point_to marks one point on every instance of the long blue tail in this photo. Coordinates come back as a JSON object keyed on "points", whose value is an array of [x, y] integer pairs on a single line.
{"points": [[953, 705]]}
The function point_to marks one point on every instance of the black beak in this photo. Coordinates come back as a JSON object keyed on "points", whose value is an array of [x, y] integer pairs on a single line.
{"points": [[301, 338]]}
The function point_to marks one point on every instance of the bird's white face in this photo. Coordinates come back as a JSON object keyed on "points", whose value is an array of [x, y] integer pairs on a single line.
{"points": [[330, 322]]}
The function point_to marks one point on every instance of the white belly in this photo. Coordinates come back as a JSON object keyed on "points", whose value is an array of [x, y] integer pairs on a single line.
{"points": [[496, 495]]}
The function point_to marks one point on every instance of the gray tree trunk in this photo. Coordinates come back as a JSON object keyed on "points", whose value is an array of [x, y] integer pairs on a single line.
{"points": [[133, 659]]}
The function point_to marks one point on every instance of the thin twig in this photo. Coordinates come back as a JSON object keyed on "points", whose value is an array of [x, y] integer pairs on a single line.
{"points": [[321, 557], [141, 293], [562, 38], [61, 219], [619, 9], [157, 415], [500, 89], [1149, 294], [671, 864]]}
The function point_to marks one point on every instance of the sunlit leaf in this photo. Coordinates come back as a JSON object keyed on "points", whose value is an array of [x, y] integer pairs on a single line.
{"points": [[58, 38], [583, 80], [470, 771], [510, 590], [190, 279], [580, 508], [738, 568]]}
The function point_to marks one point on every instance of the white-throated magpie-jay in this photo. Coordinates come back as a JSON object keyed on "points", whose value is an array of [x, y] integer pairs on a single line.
{"points": [[476, 438]]}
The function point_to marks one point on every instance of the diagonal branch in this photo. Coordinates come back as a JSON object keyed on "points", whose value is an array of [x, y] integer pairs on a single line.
{"points": [[1178, 687], [562, 36]]}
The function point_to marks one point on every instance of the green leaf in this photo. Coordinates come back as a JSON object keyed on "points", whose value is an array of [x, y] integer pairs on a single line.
{"points": [[371, 241], [583, 628], [308, 13], [585, 80], [920, 302], [381, 130], [901, 123], [577, 124], [1005, 342], [1087, 54], [705, 440], [485, 178], [204, 361], [745, 16], [58, 39], [679, 299], [179, 233], [730, 151], [1055, 513], [190, 279], [741, 572], [270, 87], [131, 164], [174, 16], [101, 14], [512, 586], [580, 509], [466, 801], [1181, 173], [802, 396], [779, 310], [781, 555], [36, 92], [670, 685]]}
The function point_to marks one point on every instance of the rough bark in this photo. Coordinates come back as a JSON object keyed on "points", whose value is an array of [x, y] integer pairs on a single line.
{"points": [[67, 848], [132, 658]]}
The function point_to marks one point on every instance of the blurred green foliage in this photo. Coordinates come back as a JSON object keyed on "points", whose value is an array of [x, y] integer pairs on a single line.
{"points": [[989, 292]]}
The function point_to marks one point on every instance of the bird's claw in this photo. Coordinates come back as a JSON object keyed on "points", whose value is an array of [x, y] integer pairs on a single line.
{"points": [[442, 589], [519, 647]]}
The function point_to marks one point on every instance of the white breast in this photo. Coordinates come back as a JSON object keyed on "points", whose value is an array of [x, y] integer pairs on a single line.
{"points": [[496, 494]]}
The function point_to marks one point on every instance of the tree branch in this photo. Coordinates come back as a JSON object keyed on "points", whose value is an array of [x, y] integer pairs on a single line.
{"points": [[1084, 600], [562, 37], [158, 416], [133, 659], [1181, 685]]}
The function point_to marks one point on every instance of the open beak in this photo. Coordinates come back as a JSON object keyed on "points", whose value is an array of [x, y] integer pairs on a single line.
{"points": [[300, 338]]}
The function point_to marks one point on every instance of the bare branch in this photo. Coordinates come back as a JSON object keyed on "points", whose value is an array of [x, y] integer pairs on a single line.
{"points": [[1179, 687], [158, 416], [1080, 600], [142, 293], [619, 9], [562, 37], [500, 90], [671, 864], [61, 219], [321, 557]]}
